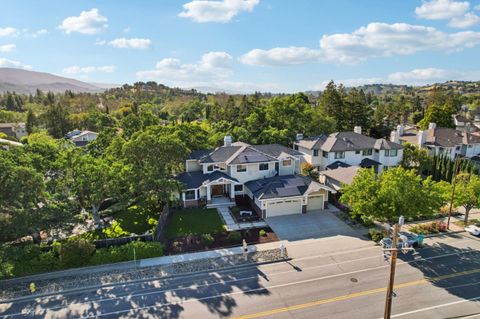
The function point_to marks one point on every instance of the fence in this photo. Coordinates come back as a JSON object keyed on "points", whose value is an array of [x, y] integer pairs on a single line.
{"points": [[103, 243], [159, 232]]}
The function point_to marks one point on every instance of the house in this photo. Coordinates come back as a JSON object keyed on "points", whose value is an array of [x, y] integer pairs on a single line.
{"points": [[16, 130], [343, 149], [443, 141], [81, 138], [265, 176], [338, 177]]}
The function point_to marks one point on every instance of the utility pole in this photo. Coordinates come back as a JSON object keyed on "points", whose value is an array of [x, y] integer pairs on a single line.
{"points": [[393, 263], [454, 183]]}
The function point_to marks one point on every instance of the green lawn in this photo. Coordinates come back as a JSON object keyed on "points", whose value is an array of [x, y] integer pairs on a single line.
{"points": [[194, 221]]}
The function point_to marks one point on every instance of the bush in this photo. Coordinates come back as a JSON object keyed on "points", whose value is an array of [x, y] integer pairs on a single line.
{"points": [[376, 235], [75, 253], [429, 228], [262, 233], [234, 237], [25, 260], [235, 210], [125, 252], [207, 239]]}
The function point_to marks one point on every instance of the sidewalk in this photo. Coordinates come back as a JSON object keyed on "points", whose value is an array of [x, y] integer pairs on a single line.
{"points": [[233, 225]]}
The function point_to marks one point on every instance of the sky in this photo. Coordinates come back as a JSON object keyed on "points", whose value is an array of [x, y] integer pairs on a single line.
{"points": [[244, 45]]}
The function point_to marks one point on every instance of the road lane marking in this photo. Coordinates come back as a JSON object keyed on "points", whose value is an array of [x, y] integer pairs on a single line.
{"points": [[436, 307], [354, 295], [142, 294]]}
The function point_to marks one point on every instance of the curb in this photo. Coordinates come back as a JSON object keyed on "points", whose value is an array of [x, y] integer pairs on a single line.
{"points": [[87, 288]]}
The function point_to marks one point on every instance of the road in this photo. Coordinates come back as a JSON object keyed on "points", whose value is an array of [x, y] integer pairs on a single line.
{"points": [[439, 281]]}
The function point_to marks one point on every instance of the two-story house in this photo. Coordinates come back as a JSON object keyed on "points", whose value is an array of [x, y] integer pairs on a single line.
{"points": [[264, 175], [443, 141], [344, 149]]}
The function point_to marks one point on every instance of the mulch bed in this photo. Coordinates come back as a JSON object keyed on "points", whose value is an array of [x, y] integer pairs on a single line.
{"points": [[194, 243]]}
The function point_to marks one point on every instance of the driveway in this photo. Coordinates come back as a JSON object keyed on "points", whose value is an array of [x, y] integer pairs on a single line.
{"points": [[312, 225]]}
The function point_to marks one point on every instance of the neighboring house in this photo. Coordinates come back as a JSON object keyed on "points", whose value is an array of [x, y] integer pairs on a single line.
{"points": [[81, 138], [264, 175], [462, 123], [343, 149], [16, 130], [443, 141], [338, 177]]}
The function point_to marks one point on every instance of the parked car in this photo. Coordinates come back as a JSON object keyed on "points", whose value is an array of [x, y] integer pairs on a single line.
{"points": [[472, 229]]}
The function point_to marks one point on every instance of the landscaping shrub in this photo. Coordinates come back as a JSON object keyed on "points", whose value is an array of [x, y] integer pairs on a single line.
{"points": [[235, 210], [25, 260], [429, 228], [376, 235], [262, 233], [207, 239], [234, 237], [75, 253], [125, 252]]}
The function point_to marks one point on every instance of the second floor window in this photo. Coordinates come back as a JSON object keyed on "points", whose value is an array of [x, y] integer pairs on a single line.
{"points": [[339, 155], [263, 167], [315, 152], [210, 168], [391, 153], [241, 168], [325, 154], [287, 162], [367, 152]]}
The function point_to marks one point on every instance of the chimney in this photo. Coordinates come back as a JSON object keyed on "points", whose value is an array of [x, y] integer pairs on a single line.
{"points": [[227, 140], [400, 130], [357, 129], [299, 137], [394, 137], [432, 126], [421, 138]]}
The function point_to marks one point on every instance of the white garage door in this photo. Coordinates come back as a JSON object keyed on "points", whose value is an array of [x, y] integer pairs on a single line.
{"points": [[285, 207], [315, 202]]}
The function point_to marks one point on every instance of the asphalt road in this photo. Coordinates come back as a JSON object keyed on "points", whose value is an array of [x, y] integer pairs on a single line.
{"points": [[440, 281]]}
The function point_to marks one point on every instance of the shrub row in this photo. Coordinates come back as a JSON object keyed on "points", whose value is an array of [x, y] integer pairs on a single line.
{"points": [[23, 260], [429, 228]]}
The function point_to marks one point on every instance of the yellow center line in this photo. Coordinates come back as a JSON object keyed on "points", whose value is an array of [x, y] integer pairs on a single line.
{"points": [[355, 295]]}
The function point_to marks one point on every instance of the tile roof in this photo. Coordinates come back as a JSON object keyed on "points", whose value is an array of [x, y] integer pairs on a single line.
{"points": [[196, 179], [281, 186]]}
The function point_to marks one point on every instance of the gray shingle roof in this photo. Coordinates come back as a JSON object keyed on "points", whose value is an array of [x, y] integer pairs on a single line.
{"points": [[276, 149], [251, 155], [220, 155], [198, 154], [368, 162], [311, 143], [279, 186], [343, 175], [383, 144], [196, 179], [337, 164]]}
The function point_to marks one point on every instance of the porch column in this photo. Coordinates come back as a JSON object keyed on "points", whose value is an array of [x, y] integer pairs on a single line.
{"points": [[232, 190], [209, 194]]}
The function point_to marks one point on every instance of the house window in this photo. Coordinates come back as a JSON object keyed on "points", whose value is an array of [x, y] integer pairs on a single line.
{"points": [[315, 152], [238, 188], [457, 148], [339, 155], [367, 152], [376, 151], [210, 168], [393, 153], [357, 152], [470, 146], [189, 195], [295, 147], [287, 162], [263, 167], [241, 168], [325, 154]]}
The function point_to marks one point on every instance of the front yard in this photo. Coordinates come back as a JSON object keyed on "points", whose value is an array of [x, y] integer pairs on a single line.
{"points": [[195, 221]]}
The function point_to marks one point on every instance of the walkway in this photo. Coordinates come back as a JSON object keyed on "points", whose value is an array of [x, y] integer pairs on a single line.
{"points": [[231, 224]]}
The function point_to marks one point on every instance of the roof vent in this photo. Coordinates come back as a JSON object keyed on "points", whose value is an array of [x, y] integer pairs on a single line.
{"points": [[299, 137], [432, 126], [357, 129]]}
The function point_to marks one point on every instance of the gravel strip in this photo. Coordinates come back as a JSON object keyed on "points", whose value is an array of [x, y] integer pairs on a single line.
{"points": [[48, 286]]}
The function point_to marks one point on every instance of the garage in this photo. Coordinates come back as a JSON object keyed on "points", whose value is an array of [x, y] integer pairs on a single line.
{"points": [[284, 207], [315, 202]]}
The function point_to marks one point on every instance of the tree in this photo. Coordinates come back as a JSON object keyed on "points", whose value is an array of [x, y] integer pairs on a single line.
{"points": [[57, 121], [414, 157], [391, 194], [467, 192], [31, 122], [441, 115]]}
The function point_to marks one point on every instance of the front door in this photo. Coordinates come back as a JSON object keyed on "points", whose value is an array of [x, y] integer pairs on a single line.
{"points": [[218, 190]]}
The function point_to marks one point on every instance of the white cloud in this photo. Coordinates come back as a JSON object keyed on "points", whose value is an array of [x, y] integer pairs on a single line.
{"points": [[88, 22], [216, 11], [6, 63], [382, 39], [7, 31], [38, 33], [420, 76], [7, 48], [75, 70], [212, 66], [458, 12], [134, 43], [280, 56]]}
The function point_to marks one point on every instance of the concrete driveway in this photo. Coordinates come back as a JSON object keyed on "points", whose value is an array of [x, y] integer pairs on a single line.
{"points": [[312, 225]]}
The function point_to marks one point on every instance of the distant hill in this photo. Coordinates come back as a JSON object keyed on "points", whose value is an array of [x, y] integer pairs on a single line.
{"points": [[23, 81]]}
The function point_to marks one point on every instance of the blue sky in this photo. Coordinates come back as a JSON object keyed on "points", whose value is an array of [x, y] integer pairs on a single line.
{"points": [[245, 45]]}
